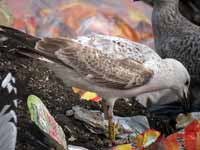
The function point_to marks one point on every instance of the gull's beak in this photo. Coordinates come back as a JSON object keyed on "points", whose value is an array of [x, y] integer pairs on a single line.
{"points": [[186, 100]]}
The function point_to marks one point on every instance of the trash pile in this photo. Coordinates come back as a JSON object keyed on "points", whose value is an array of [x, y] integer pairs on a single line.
{"points": [[54, 135], [59, 18], [133, 133]]}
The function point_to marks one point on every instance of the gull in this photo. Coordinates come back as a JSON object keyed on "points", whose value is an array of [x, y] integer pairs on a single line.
{"points": [[176, 36], [111, 66]]}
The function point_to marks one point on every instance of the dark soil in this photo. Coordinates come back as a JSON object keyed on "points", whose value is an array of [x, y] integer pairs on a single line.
{"points": [[33, 78]]}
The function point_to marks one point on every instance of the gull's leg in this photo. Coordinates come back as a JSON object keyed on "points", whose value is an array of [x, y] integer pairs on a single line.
{"points": [[108, 105]]}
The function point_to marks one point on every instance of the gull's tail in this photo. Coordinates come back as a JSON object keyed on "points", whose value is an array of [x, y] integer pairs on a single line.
{"points": [[27, 45]]}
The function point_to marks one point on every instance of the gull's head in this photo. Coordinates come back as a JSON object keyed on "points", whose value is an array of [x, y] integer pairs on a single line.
{"points": [[179, 80]]}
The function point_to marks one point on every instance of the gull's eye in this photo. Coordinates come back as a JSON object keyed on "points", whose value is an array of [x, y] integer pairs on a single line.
{"points": [[187, 83]]}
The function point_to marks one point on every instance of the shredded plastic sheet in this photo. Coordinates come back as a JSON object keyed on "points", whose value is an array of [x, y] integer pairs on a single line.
{"points": [[141, 141], [43, 119], [186, 139], [127, 128]]}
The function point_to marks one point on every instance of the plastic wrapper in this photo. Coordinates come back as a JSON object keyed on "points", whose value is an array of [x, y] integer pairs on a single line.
{"points": [[127, 128], [43, 119], [141, 141], [188, 138], [147, 138], [86, 95]]}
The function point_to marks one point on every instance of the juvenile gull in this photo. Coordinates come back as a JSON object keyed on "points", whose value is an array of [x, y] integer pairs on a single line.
{"points": [[110, 66]]}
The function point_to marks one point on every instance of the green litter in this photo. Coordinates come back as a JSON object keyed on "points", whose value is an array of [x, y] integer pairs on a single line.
{"points": [[46, 123]]}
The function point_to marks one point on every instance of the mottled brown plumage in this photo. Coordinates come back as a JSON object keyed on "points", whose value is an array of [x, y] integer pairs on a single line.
{"points": [[95, 66]]}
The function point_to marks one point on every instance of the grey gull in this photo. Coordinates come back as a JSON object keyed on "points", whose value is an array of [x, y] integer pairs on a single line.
{"points": [[176, 36]]}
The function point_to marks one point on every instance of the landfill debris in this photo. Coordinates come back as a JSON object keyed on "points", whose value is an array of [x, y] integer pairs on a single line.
{"points": [[43, 119], [86, 95], [187, 139], [183, 120], [72, 147], [59, 18], [68, 124], [5, 14], [141, 141], [147, 138], [69, 113], [127, 127], [8, 104], [124, 147]]}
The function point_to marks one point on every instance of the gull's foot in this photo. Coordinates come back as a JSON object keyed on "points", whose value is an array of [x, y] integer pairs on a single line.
{"points": [[112, 132]]}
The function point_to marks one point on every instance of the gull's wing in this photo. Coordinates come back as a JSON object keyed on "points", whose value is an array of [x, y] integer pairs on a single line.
{"points": [[117, 47], [118, 64], [112, 69]]}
